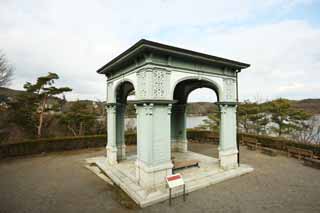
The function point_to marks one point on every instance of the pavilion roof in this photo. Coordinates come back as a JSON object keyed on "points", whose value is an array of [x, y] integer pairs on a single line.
{"points": [[145, 46]]}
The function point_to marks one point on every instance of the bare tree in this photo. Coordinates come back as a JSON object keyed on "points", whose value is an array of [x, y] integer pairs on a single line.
{"points": [[309, 132], [6, 71]]}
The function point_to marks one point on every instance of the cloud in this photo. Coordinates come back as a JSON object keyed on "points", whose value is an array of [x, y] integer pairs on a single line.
{"points": [[290, 87], [75, 38], [279, 53]]}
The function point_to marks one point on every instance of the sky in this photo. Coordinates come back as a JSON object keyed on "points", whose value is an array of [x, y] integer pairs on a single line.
{"points": [[279, 38]]}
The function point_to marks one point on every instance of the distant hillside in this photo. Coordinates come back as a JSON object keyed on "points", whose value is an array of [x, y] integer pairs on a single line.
{"points": [[9, 92], [193, 109], [204, 108], [201, 108], [309, 105], [6, 93]]}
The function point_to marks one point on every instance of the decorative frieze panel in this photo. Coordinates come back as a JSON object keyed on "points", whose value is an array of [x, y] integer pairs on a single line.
{"points": [[158, 79], [153, 83], [229, 87], [142, 84], [160, 83]]}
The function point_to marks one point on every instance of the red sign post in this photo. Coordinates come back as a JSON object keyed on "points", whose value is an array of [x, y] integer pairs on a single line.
{"points": [[174, 181]]}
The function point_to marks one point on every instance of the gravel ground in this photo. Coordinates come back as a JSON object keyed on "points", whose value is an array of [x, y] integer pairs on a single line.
{"points": [[58, 182]]}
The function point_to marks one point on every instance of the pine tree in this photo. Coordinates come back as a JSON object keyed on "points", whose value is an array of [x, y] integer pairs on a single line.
{"points": [[286, 117], [78, 119], [44, 89]]}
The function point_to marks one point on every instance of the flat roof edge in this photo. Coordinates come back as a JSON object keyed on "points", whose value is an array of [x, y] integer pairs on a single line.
{"points": [[143, 43]]}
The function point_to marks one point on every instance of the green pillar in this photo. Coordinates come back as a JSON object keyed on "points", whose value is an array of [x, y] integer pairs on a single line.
{"points": [[179, 132], [153, 144], [111, 143], [228, 137]]}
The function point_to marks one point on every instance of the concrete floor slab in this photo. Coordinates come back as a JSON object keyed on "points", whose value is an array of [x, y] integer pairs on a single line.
{"points": [[208, 173]]}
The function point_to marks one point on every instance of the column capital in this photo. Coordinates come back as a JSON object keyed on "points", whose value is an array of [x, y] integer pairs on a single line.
{"points": [[226, 103], [115, 106], [223, 106], [111, 104], [169, 109], [148, 108], [152, 101], [111, 108]]}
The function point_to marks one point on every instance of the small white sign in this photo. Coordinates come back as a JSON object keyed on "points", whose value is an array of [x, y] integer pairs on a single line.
{"points": [[175, 180]]}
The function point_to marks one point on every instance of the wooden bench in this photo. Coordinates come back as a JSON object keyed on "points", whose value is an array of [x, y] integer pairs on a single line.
{"points": [[316, 156], [269, 151], [185, 164], [299, 153], [315, 163], [251, 143]]}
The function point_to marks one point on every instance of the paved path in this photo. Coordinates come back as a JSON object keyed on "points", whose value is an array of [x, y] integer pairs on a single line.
{"points": [[59, 183]]}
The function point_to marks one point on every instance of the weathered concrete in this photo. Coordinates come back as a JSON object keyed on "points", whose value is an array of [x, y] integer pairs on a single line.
{"points": [[124, 175], [60, 183]]}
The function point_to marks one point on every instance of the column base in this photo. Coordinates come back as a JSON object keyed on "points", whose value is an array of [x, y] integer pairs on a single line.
{"points": [[152, 178], [121, 152], [179, 145], [228, 159], [111, 155]]}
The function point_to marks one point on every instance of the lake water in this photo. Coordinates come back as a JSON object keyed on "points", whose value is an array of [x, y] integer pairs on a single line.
{"points": [[194, 121]]}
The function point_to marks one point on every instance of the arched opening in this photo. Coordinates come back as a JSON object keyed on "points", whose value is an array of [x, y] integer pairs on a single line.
{"points": [[203, 117], [196, 116], [125, 120]]}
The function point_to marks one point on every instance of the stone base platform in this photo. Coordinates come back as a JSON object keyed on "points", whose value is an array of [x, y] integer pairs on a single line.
{"points": [[123, 175]]}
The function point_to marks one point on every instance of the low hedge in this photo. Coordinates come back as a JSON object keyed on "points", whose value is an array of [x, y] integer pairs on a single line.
{"points": [[71, 143], [38, 146], [29, 147], [202, 136]]}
